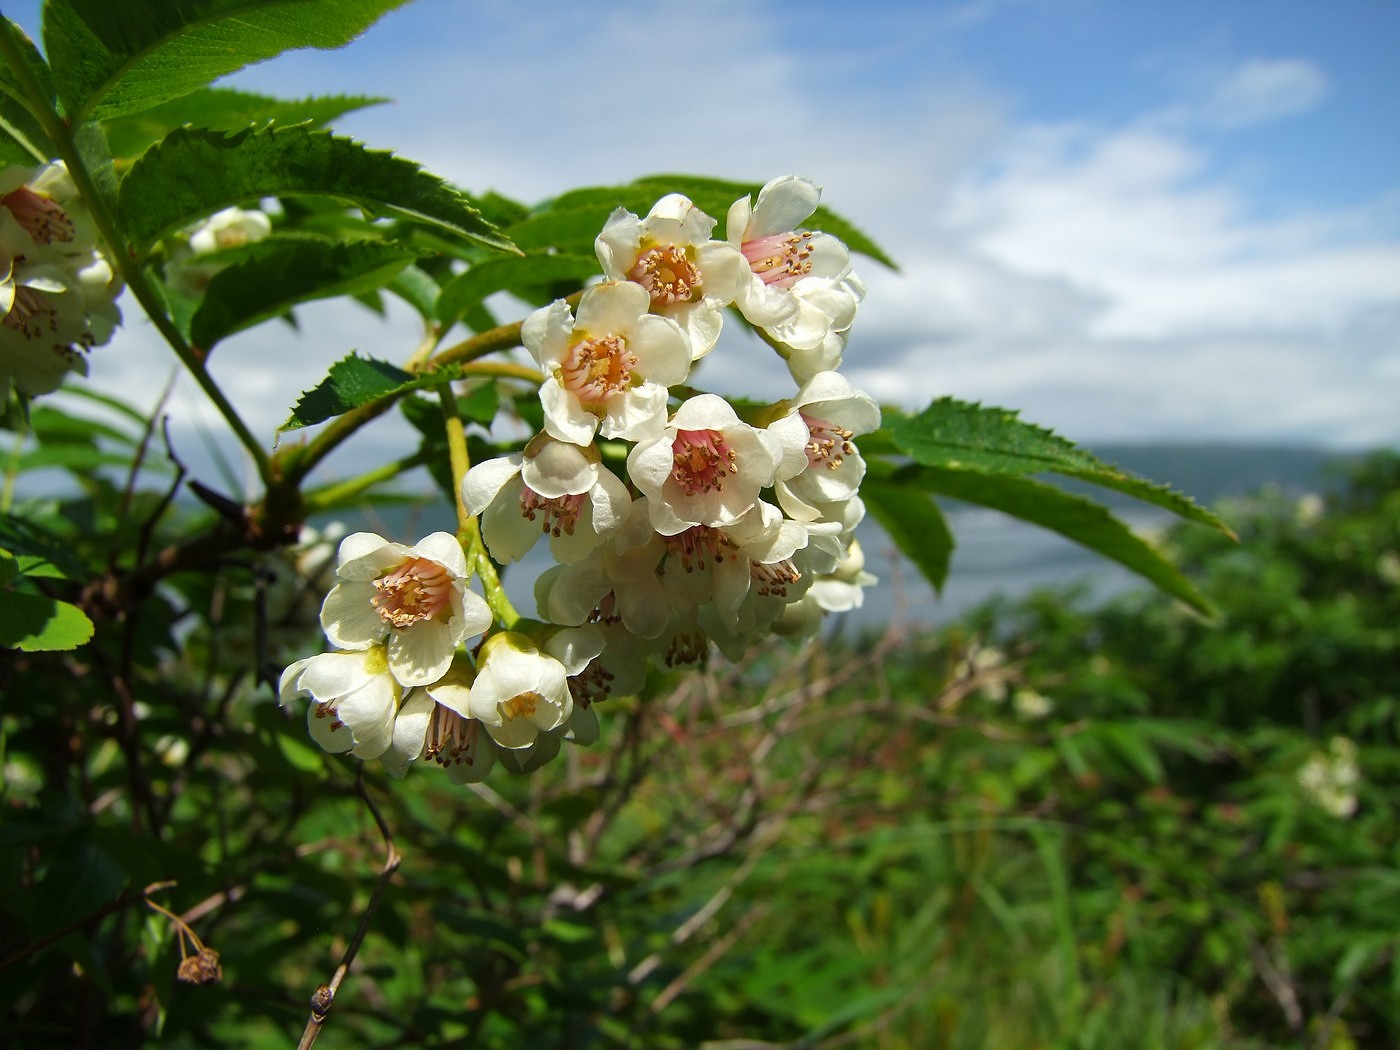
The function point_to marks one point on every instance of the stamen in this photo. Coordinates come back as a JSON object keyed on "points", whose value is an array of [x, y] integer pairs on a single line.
{"points": [[699, 547], [687, 647], [702, 460], [596, 370], [328, 710], [668, 275], [30, 316], [451, 739], [559, 514], [417, 590], [591, 685], [773, 580], [780, 258], [828, 443]]}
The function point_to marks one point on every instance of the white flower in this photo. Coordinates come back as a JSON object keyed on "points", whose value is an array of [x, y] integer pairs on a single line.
{"points": [[706, 468], [355, 696], [1330, 777], [800, 288], [617, 582], [519, 691], [432, 725], [608, 371], [230, 228], [716, 566], [824, 416], [57, 292], [415, 597], [839, 590], [687, 276], [553, 489]]}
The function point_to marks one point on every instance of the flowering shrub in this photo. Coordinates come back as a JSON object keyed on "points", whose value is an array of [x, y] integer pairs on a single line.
{"points": [[682, 525]]}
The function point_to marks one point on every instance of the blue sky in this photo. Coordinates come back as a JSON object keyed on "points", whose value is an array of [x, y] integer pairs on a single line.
{"points": [[1133, 221]]}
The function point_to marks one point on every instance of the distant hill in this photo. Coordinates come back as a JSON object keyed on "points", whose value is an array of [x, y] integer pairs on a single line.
{"points": [[1212, 472]]}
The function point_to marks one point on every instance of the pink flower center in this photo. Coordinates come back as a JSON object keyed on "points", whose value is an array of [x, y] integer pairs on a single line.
{"points": [[596, 370], [827, 444], [451, 739], [702, 459], [699, 547], [417, 590], [780, 258], [668, 275], [558, 514], [43, 219]]}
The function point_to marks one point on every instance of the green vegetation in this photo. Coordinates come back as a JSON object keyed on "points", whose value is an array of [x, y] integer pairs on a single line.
{"points": [[1048, 826]]}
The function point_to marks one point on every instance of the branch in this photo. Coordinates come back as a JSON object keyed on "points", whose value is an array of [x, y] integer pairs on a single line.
{"points": [[324, 997]]}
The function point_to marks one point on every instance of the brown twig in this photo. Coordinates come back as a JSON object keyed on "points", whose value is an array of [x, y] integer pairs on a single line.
{"points": [[324, 997]]}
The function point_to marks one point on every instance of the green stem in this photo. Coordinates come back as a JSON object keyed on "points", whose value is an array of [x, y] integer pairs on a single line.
{"points": [[468, 528], [301, 461], [124, 255], [331, 496], [7, 493]]}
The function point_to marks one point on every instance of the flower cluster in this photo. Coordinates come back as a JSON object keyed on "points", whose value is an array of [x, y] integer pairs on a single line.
{"points": [[398, 687], [677, 520], [57, 288]]}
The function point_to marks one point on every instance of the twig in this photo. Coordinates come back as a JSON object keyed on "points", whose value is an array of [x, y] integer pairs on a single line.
{"points": [[324, 997]]}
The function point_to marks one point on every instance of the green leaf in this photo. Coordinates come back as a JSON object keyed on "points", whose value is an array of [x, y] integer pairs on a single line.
{"points": [[36, 622], [468, 290], [417, 288], [354, 381], [9, 567], [22, 137], [292, 272], [223, 109], [915, 523], [956, 435], [115, 58], [1078, 519], [192, 173]]}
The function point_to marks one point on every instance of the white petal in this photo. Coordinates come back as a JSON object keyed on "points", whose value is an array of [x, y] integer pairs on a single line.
{"points": [[349, 618], [443, 548], [422, 653], [485, 480]]}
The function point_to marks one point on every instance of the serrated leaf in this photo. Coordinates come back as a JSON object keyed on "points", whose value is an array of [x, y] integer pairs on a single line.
{"points": [[223, 109], [916, 525], [272, 282], [115, 58], [192, 173], [22, 137], [1081, 520], [354, 381], [36, 622], [957, 435], [468, 290]]}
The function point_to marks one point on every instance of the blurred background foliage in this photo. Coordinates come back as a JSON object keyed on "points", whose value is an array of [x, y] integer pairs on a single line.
{"points": [[1052, 824]]}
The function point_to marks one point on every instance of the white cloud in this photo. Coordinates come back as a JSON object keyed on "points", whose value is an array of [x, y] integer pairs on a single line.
{"points": [[1262, 90]]}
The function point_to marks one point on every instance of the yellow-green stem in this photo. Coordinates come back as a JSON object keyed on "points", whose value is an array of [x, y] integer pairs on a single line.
{"points": [[468, 528]]}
